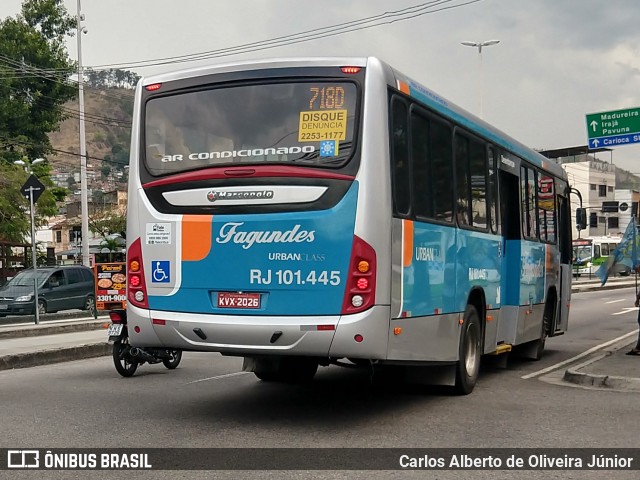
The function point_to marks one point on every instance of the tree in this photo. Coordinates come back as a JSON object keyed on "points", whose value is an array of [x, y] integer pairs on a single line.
{"points": [[34, 73], [111, 78], [108, 222], [15, 221], [105, 169], [112, 244]]}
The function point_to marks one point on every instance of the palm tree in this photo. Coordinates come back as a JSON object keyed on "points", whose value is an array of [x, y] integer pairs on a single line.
{"points": [[111, 244]]}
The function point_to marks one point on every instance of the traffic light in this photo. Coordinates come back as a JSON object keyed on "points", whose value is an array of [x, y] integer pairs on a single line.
{"points": [[581, 218], [593, 220]]}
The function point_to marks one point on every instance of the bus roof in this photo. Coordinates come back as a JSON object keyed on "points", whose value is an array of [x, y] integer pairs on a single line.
{"points": [[418, 91], [260, 64]]}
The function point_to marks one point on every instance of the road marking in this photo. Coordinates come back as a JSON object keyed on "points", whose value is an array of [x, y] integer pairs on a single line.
{"points": [[616, 301], [626, 310], [578, 357], [218, 377]]}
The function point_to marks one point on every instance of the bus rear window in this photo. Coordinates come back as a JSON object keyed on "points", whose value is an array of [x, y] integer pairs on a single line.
{"points": [[302, 123]]}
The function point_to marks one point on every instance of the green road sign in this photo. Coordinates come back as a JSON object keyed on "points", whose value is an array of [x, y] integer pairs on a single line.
{"points": [[617, 122]]}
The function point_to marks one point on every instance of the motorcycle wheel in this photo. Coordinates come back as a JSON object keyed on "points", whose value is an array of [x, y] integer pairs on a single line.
{"points": [[125, 364], [173, 360]]}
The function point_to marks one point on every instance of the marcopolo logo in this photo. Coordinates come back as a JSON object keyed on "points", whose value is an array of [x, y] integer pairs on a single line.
{"points": [[214, 195], [230, 232]]}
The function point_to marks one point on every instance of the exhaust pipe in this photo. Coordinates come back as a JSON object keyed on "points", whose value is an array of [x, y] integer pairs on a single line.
{"points": [[140, 353]]}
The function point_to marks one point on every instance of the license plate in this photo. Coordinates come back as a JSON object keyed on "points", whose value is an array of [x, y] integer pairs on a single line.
{"points": [[115, 329], [4, 307], [238, 300]]}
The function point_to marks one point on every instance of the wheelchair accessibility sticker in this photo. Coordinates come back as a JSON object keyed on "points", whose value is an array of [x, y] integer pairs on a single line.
{"points": [[160, 271]]}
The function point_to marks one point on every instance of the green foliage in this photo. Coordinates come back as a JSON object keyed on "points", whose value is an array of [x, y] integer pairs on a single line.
{"points": [[111, 78], [31, 103], [15, 221], [59, 193], [108, 223]]}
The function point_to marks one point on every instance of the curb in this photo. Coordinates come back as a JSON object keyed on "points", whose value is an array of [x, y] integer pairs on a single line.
{"points": [[593, 288], [45, 357], [609, 382], [37, 330]]}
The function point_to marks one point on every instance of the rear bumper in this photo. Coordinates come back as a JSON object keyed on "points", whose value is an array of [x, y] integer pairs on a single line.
{"points": [[262, 335]]}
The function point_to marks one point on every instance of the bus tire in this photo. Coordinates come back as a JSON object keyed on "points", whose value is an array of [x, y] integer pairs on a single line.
{"points": [[548, 317], [470, 352]]}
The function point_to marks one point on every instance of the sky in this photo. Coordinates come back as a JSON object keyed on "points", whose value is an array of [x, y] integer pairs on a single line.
{"points": [[557, 60]]}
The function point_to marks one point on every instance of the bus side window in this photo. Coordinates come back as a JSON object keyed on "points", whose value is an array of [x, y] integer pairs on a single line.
{"points": [[441, 148], [492, 190], [478, 176], [509, 206], [461, 145], [400, 157], [596, 251]]}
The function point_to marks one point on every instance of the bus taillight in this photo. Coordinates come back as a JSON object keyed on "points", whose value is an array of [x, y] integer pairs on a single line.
{"points": [[360, 291], [137, 288]]}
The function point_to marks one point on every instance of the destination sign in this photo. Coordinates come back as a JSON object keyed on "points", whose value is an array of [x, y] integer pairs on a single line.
{"points": [[613, 128]]}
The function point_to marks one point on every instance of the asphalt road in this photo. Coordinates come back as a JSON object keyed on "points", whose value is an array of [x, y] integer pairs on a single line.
{"points": [[208, 402]]}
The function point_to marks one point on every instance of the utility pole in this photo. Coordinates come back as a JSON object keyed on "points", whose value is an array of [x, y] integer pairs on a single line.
{"points": [[84, 201]]}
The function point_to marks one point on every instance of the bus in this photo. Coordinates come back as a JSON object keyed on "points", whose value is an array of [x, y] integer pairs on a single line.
{"points": [[332, 211], [591, 252]]}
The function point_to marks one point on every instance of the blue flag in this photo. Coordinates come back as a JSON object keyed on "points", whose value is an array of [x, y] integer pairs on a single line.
{"points": [[625, 254]]}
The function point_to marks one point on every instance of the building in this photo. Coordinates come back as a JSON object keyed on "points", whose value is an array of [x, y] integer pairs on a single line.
{"points": [[595, 181], [628, 201]]}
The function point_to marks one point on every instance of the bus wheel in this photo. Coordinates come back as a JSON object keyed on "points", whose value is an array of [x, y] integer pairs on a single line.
{"points": [[286, 369], [470, 351]]}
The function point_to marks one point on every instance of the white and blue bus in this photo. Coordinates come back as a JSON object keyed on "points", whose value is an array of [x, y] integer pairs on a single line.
{"points": [[306, 212]]}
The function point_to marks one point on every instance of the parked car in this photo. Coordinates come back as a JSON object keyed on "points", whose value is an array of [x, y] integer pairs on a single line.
{"points": [[59, 288]]}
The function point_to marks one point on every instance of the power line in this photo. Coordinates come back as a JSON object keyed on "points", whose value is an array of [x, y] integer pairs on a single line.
{"points": [[75, 113], [6, 141], [25, 70], [305, 36]]}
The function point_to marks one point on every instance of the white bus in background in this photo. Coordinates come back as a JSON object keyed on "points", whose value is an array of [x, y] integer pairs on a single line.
{"points": [[591, 252]]}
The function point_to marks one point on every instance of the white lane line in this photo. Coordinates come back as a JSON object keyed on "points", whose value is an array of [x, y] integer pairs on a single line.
{"points": [[626, 310], [218, 377], [578, 357], [616, 301]]}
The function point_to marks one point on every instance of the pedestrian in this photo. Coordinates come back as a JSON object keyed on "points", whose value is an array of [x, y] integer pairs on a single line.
{"points": [[636, 349]]}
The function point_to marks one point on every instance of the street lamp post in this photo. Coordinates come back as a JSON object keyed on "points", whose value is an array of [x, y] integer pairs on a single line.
{"points": [[479, 46], [27, 168]]}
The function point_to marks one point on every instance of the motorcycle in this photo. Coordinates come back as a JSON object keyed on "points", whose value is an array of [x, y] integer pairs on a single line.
{"points": [[126, 358]]}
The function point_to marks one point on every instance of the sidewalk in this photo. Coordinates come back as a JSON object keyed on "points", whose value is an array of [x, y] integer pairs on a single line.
{"points": [[589, 284], [29, 345], [611, 369]]}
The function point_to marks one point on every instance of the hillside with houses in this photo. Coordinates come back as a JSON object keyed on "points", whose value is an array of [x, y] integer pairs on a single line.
{"points": [[107, 126]]}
